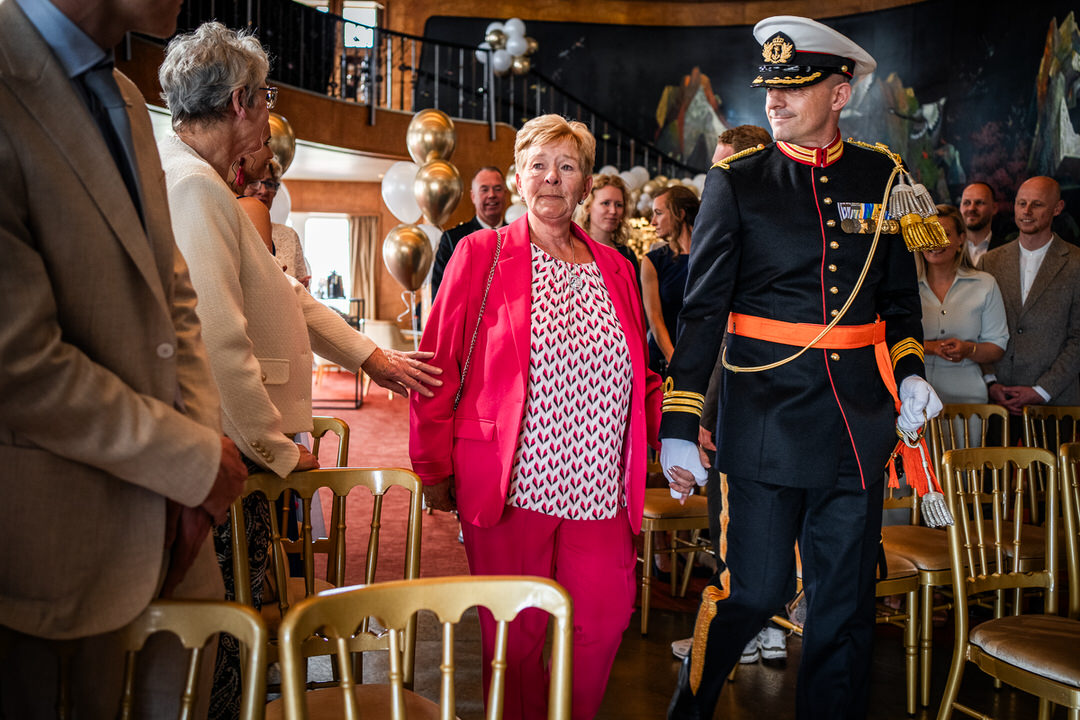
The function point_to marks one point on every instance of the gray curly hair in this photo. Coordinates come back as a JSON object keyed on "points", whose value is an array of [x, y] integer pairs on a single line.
{"points": [[203, 68]]}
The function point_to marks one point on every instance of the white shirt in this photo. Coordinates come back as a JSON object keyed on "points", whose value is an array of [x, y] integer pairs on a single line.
{"points": [[1030, 262], [977, 250]]}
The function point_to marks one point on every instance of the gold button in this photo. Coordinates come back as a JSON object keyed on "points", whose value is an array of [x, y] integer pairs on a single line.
{"points": [[834, 245], [834, 313], [832, 268], [843, 68], [827, 201], [834, 289], [834, 356], [824, 179], [830, 223]]}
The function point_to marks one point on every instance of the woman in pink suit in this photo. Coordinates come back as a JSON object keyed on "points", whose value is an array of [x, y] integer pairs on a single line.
{"points": [[544, 457]]}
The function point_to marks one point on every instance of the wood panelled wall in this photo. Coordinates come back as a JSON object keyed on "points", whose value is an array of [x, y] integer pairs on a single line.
{"points": [[410, 16]]}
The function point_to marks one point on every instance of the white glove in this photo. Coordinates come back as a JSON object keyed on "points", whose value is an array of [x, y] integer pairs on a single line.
{"points": [[918, 403], [683, 454]]}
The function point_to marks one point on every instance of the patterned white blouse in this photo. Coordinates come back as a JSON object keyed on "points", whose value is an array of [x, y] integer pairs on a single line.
{"points": [[569, 455]]}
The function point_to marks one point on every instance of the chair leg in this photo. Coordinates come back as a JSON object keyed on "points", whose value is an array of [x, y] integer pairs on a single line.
{"points": [[911, 649], [926, 612], [952, 687], [646, 580]]}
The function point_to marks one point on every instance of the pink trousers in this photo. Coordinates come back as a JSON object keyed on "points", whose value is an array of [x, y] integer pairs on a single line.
{"points": [[594, 560]]}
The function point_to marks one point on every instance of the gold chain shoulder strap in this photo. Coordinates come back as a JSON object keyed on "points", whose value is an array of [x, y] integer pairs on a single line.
{"points": [[725, 163], [480, 316]]}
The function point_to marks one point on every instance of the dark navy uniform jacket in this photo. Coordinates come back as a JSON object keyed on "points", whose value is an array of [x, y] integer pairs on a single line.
{"points": [[769, 242]]}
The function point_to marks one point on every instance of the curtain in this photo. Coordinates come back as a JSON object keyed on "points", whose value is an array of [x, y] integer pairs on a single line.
{"points": [[363, 252]]}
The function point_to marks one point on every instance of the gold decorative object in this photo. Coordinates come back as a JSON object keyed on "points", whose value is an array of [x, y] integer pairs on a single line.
{"points": [[521, 65], [915, 208], [438, 190], [282, 140], [511, 178], [407, 254], [532, 45], [496, 39], [430, 136], [777, 51]]}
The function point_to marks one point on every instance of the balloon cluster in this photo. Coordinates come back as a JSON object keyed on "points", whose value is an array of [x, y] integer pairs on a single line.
{"points": [[428, 186], [643, 188], [512, 50]]}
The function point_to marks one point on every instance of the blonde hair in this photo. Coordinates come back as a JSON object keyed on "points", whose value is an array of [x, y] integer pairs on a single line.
{"points": [[584, 213], [550, 128], [961, 259]]}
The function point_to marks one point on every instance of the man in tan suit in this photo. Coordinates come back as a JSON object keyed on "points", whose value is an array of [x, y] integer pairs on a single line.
{"points": [[113, 463], [1039, 277]]}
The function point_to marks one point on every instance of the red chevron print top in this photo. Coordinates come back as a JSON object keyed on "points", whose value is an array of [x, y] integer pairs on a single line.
{"points": [[569, 455]]}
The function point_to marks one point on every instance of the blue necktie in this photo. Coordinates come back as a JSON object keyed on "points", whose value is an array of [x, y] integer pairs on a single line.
{"points": [[110, 113]]}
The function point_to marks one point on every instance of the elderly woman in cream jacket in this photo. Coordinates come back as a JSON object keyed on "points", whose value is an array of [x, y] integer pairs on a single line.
{"points": [[260, 325]]}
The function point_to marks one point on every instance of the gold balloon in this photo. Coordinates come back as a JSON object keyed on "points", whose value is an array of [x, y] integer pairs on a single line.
{"points": [[430, 136], [438, 189], [521, 65], [674, 183], [650, 188], [496, 39], [533, 46], [661, 180], [406, 251], [282, 140]]}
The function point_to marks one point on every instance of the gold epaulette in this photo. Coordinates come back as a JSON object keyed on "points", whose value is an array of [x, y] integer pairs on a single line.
{"points": [[881, 148], [726, 162], [907, 346], [681, 401]]}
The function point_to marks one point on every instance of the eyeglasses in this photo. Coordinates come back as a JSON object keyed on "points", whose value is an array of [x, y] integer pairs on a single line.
{"points": [[268, 184], [271, 97]]}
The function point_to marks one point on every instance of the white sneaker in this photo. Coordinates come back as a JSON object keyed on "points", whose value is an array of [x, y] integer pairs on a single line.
{"points": [[681, 648], [773, 643], [751, 653]]}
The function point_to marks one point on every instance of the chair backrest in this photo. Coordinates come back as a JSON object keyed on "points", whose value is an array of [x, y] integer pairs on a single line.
{"points": [[195, 622], [1069, 478], [1049, 426], [332, 546], [967, 425], [335, 426], [330, 623], [986, 490], [341, 481]]}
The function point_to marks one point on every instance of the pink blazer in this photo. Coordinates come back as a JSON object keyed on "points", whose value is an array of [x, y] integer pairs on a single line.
{"points": [[477, 443]]}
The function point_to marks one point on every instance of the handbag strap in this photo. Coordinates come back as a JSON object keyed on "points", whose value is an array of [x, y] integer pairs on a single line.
{"points": [[480, 317]]}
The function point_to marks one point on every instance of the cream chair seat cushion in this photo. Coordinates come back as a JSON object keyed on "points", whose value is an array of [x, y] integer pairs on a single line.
{"points": [[1045, 645]]}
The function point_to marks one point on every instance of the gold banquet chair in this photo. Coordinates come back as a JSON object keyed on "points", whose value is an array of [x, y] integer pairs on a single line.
{"points": [[1069, 479], [1034, 653], [378, 481], [1048, 427], [662, 513], [330, 623], [194, 623], [927, 548]]}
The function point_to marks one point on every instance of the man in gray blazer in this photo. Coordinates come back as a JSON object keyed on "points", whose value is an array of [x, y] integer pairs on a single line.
{"points": [[1039, 277], [112, 461]]}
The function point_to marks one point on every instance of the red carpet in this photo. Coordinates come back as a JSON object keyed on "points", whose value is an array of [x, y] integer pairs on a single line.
{"points": [[379, 437]]}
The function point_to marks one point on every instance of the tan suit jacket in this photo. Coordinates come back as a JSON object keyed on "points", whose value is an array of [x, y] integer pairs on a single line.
{"points": [[1044, 331], [260, 324], [99, 345]]}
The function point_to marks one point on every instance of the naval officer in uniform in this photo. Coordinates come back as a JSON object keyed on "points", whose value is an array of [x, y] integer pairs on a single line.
{"points": [[803, 441]]}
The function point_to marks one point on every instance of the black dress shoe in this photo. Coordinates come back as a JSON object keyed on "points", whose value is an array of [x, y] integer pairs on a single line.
{"points": [[683, 705]]}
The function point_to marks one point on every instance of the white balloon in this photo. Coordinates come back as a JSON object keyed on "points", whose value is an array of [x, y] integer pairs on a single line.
{"points": [[644, 203], [482, 56], [514, 27], [628, 178], [514, 212], [397, 191], [494, 26], [279, 211], [501, 61], [641, 176], [608, 170], [516, 45], [433, 233], [699, 182]]}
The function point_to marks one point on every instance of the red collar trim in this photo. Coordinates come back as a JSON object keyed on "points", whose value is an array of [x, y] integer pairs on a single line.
{"points": [[818, 157]]}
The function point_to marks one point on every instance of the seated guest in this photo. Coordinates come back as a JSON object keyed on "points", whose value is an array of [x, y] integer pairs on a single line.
{"points": [[285, 243], [603, 215], [259, 324], [963, 316], [561, 335]]}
